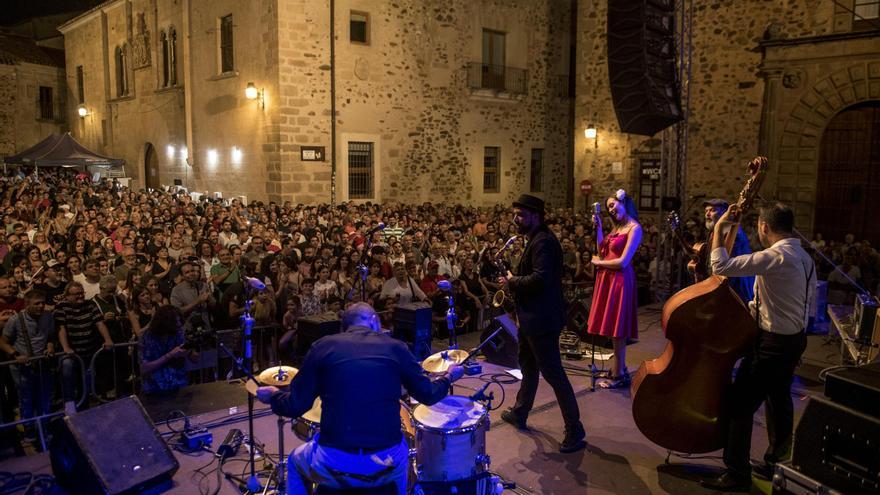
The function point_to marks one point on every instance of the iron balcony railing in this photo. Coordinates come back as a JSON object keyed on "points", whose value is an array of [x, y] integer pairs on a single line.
{"points": [[497, 77]]}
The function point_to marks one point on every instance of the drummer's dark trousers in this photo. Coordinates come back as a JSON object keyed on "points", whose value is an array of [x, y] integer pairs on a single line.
{"points": [[540, 354], [764, 376]]}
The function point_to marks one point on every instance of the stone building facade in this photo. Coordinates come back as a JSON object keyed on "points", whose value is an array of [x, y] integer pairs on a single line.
{"points": [[32, 92], [767, 78], [436, 100]]}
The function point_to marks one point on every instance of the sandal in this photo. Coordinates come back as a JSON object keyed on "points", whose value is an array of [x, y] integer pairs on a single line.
{"points": [[616, 382]]}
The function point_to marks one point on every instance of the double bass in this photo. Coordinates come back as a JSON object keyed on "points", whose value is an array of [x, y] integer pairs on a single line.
{"points": [[680, 398]]}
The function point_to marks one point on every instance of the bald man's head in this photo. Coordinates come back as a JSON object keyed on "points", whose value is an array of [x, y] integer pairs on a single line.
{"points": [[360, 315]]}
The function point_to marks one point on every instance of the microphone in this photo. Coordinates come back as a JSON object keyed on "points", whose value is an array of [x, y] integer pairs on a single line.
{"points": [[597, 210], [481, 394], [230, 444], [254, 283], [375, 229], [444, 285]]}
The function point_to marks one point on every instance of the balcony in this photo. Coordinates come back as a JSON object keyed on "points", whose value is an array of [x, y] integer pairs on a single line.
{"points": [[496, 81]]}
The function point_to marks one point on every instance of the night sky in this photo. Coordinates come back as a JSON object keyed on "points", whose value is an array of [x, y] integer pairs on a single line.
{"points": [[13, 11]]}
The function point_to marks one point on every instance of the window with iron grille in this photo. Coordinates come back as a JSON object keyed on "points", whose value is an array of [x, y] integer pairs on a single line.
{"points": [[80, 86], [866, 14], [360, 170], [536, 175], [491, 169], [227, 64], [46, 103], [359, 27]]}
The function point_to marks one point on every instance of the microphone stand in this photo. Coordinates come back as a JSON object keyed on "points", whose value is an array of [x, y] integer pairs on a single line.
{"points": [[246, 366], [451, 320]]}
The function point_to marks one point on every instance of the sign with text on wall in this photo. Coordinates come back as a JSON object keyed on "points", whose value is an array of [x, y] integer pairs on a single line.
{"points": [[311, 153]]}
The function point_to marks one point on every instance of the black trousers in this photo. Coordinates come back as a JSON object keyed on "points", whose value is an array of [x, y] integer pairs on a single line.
{"points": [[764, 376], [540, 354]]}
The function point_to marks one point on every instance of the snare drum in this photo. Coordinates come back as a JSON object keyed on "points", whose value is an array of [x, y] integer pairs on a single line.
{"points": [[451, 439], [306, 426]]}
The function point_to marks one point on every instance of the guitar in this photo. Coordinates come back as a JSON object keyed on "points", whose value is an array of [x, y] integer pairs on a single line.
{"points": [[698, 252]]}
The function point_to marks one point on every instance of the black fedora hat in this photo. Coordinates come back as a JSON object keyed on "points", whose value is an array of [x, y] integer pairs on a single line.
{"points": [[529, 202]]}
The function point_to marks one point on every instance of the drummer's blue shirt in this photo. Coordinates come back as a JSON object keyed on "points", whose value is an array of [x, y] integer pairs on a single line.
{"points": [[358, 375]]}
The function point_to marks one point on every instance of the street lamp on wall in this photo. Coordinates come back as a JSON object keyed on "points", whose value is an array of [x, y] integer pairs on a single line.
{"points": [[590, 132], [82, 111], [252, 93]]}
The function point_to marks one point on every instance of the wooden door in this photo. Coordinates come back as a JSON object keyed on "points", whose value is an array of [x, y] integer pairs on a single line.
{"points": [[848, 179], [151, 167]]}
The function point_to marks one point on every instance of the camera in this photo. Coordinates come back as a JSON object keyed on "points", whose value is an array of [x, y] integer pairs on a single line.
{"points": [[199, 337]]}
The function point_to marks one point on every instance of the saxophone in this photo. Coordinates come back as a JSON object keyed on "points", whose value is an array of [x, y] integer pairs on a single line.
{"points": [[501, 299]]}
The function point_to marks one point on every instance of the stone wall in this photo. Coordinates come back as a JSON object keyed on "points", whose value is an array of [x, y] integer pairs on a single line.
{"points": [[406, 92], [7, 110], [726, 91], [20, 124]]}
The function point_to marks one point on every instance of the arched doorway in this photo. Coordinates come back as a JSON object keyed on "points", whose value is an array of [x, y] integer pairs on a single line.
{"points": [[151, 167], [848, 178]]}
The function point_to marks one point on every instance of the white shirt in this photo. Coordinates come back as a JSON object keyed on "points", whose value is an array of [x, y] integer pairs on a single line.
{"points": [[392, 288], [784, 276]]}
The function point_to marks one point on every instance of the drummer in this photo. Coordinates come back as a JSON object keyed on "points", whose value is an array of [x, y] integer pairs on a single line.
{"points": [[358, 375]]}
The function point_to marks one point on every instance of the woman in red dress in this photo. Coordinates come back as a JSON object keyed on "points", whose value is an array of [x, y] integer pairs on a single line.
{"points": [[615, 296]]}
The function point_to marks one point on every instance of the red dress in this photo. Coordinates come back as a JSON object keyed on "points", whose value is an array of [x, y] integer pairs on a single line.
{"points": [[614, 312]]}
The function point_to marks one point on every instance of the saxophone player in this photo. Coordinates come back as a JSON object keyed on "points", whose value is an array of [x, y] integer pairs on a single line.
{"points": [[537, 291]]}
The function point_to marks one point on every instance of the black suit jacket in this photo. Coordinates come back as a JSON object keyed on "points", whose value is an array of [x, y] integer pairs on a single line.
{"points": [[537, 286]]}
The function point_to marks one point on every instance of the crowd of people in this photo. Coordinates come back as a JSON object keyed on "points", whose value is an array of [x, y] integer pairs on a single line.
{"points": [[93, 264]]}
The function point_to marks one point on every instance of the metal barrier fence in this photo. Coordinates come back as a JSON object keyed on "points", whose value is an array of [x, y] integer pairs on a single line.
{"points": [[114, 372], [35, 382]]}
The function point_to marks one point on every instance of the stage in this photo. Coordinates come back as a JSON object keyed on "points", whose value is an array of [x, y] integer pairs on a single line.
{"points": [[618, 459]]}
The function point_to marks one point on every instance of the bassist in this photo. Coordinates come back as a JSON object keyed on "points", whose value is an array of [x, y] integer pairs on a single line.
{"points": [[784, 287]]}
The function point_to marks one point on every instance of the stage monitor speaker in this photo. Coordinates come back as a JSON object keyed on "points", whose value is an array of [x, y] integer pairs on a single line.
{"points": [[111, 449], [641, 65], [503, 349], [837, 446], [857, 387], [312, 328]]}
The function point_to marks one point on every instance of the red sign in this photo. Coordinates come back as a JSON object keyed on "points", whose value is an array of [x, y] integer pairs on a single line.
{"points": [[586, 187]]}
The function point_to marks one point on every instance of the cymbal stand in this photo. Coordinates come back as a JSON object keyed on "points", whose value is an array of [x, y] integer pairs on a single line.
{"points": [[593, 369]]}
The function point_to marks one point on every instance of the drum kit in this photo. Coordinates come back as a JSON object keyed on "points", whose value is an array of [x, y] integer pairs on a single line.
{"points": [[447, 440]]}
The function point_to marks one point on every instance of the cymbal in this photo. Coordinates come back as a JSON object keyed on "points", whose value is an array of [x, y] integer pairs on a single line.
{"points": [[441, 361], [278, 376]]}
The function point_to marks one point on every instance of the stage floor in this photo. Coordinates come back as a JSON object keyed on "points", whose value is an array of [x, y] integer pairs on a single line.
{"points": [[618, 459]]}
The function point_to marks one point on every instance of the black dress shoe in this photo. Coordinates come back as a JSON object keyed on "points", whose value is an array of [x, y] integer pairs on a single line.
{"points": [[574, 440], [510, 417], [728, 482]]}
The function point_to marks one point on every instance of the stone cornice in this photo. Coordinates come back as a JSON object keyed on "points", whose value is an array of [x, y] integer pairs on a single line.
{"points": [[824, 38], [88, 15]]}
